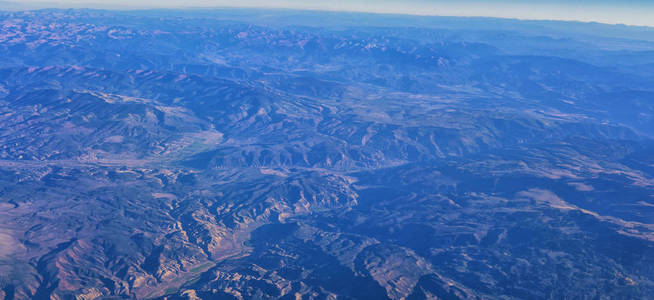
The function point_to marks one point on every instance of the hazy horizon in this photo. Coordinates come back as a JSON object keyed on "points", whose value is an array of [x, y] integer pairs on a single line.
{"points": [[634, 12]]}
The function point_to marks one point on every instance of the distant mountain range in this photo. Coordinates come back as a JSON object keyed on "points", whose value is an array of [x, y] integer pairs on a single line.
{"points": [[254, 154]]}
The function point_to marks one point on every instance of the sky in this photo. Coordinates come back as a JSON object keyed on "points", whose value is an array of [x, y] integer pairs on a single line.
{"points": [[630, 12]]}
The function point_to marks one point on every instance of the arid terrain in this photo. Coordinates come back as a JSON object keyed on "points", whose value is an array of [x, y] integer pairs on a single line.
{"points": [[244, 154]]}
